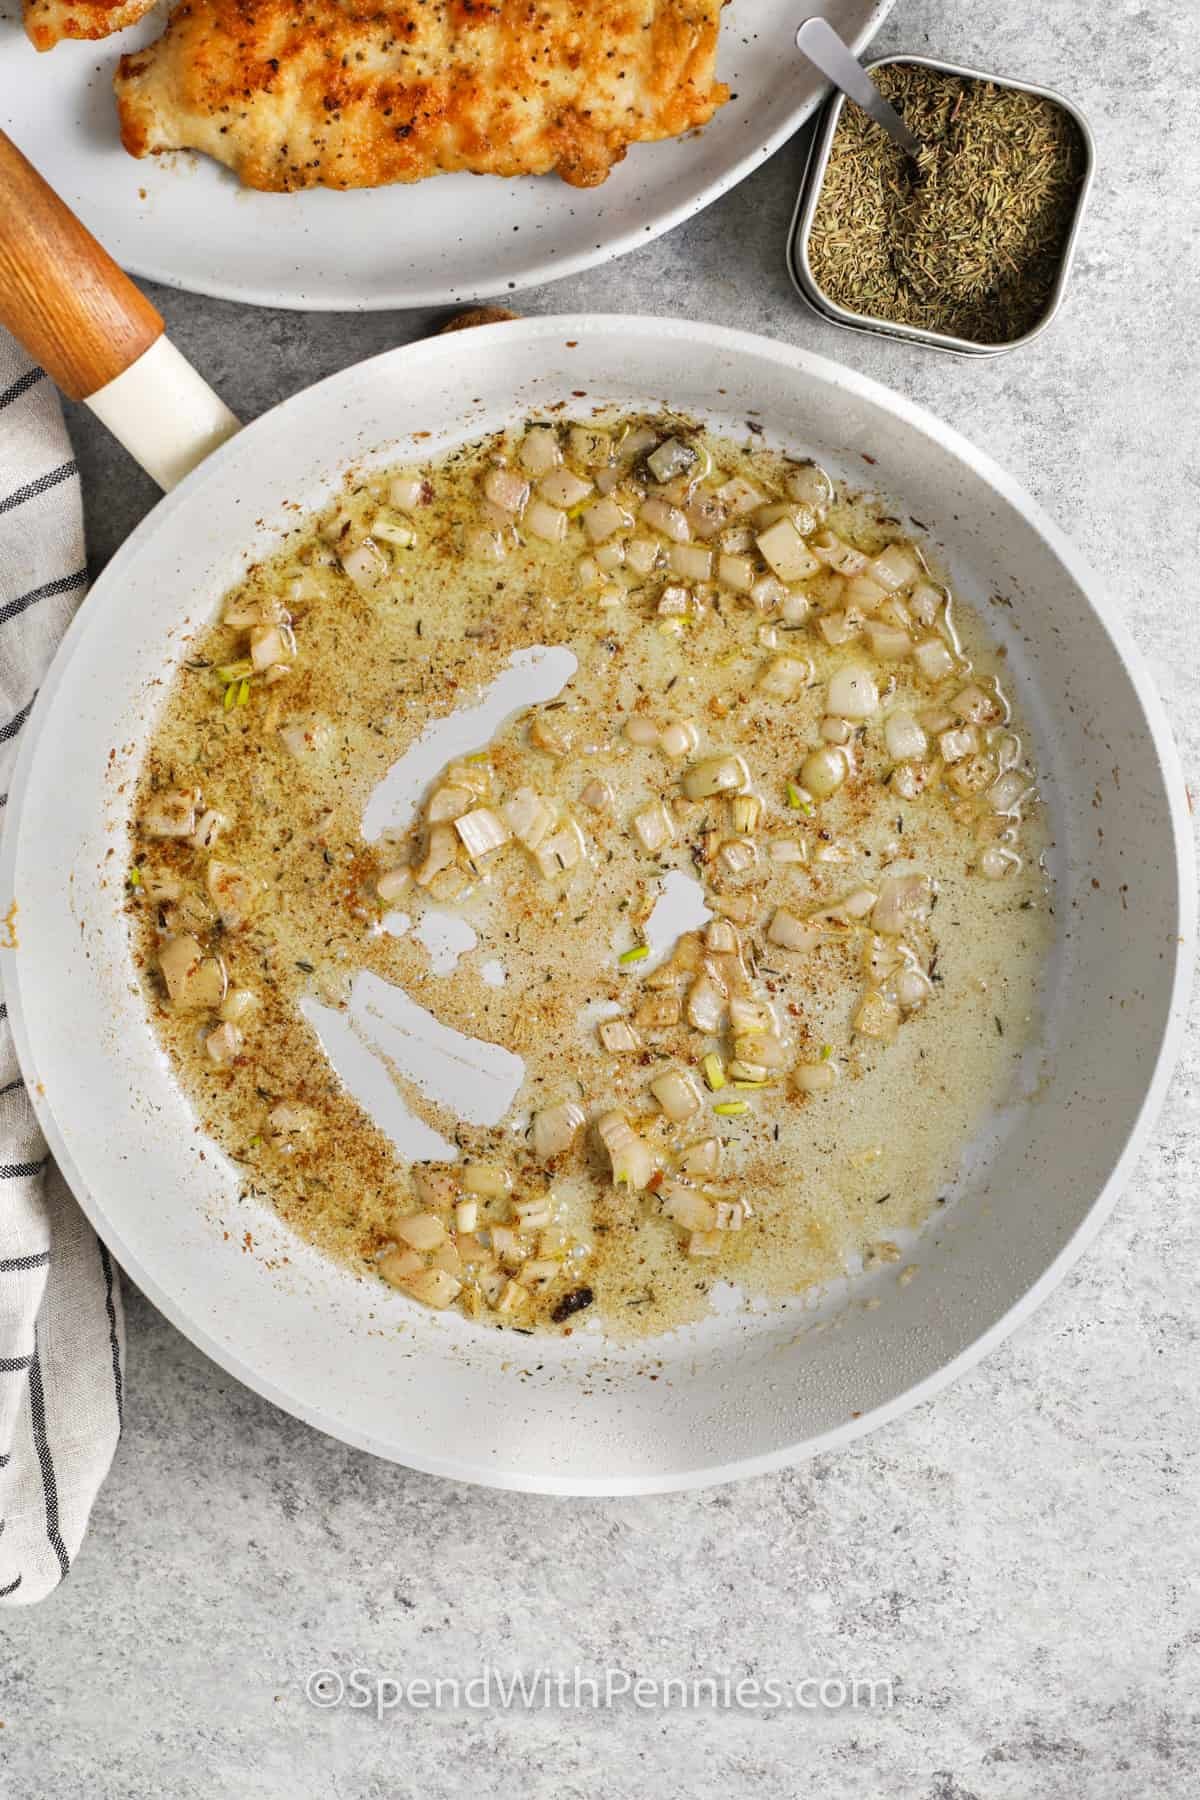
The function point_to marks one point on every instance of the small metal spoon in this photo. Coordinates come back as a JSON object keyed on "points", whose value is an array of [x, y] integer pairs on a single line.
{"points": [[822, 46]]}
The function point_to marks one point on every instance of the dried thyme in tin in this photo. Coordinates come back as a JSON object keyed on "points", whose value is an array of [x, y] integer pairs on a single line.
{"points": [[968, 241]]}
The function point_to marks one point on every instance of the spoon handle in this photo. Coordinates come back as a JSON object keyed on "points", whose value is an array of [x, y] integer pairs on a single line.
{"points": [[822, 46]]}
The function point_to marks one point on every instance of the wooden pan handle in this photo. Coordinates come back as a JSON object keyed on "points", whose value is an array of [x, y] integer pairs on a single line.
{"points": [[61, 295]]}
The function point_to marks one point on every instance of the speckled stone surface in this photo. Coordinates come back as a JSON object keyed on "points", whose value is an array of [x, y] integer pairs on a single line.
{"points": [[1016, 1558]]}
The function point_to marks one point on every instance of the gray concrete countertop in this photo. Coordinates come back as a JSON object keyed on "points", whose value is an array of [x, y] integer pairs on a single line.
{"points": [[1017, 1557]]}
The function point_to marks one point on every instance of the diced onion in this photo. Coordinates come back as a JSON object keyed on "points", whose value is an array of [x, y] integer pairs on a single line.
{"points": [[934, 658], [677, 1094], [957, 743], [809, 484], [171, 815], [678, 738], [604, 519], [876, 1017], [997, 862], [209, 828], [913, 988], [706, 1243], [705, 1004], [396, 1266], [234, 893], [785, 551], [539, 1271], [670, 459], [858, 904], [760, 1048], [545, 522], [270, 644], [703, 1158], [925, 602], [192, 979], [1006, 794], [448, 803], [791, 933], [974, 706], [506, 488], [823, 771], [483, 832], [305, 737], [483, 545], [691, 562], [705, 515], [838, 627], [909, 779], [736, 572], [675, 602], [289, 1120], [539, 452], [365, 563], [618, 1036], [223, 1044], [687, 1208], [512, 1297], [631, 1156], [784, 676], [392, 883], [654, 826], [393, 531], [864, 594], [407, 491], [556, 1127], [561, 852], [895, 567], [768, 594], [641, 555], [816, 1078], [721, 937], [903, 736], [237, 1005], [434, 1287], [836, 731], [562, 487], [853, 693], [441, 850], [421, 1231], [738, 496], [737, 856], [597, 794], [610, 556], [659, 515], [902, 898], [888, 642], [838, 555], [716, 775], [528, 816]]}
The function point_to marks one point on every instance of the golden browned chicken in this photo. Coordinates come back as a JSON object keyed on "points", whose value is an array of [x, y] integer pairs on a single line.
{"points": [[47, 22], [355, 93]]}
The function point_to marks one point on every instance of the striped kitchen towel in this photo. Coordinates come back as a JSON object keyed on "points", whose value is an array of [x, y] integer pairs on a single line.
{"points": [[61, 1333]]}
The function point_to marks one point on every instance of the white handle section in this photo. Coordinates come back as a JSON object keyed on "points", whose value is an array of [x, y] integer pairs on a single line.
{"points": [[164, 413]]}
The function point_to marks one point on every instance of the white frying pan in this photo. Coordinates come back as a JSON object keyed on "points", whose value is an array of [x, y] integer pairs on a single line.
{"points": [[739, 1393]]}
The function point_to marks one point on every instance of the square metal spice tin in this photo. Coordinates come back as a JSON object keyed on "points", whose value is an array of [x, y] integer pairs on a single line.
{"points": [[800, 269]]}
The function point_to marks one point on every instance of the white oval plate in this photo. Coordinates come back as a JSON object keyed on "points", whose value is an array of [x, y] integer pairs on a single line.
{"points": [[740, 1392], [184, 220]]}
